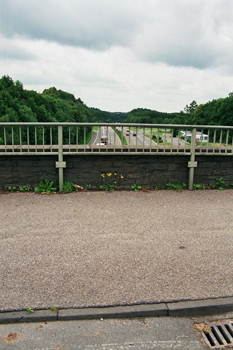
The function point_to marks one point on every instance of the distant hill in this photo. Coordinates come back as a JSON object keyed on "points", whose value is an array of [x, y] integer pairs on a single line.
{"points": [[20, 105], [148, 116]]}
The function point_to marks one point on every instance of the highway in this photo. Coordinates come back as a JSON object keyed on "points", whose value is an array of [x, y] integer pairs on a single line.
{"points": [[113, 138]]}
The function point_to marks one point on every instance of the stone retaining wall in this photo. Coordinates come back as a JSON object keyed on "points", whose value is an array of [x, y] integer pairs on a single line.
{"points": [[147, 171]]}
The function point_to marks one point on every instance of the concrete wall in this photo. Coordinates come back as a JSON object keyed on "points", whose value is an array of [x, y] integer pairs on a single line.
{"points": [[142, 170]]}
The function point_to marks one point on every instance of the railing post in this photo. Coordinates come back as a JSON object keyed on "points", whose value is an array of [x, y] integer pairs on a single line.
{"points": [[60, 164], [192, 164]]}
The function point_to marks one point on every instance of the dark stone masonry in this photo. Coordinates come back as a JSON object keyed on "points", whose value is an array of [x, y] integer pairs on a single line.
{"points": [[147, 171]]}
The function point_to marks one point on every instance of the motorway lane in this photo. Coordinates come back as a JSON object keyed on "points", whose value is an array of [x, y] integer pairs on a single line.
{"points": [[138, 139], [109, 132]]}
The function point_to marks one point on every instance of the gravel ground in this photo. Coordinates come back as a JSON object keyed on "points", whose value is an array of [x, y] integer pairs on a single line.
{"points": [[98, 248]]}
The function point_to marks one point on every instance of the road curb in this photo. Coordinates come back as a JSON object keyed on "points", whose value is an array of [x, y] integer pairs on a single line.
{"points": [[190, 308]]}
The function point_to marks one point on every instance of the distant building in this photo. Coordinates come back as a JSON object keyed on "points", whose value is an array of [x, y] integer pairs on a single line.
{"points": [[199, 136]]}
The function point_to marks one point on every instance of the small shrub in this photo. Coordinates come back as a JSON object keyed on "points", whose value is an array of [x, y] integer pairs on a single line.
{"points": [[176, 187], [45, 186], [12, 189], [24, 189], [110, 181], [198, 187], [136, 187], [29, 310], [219, 184], [68, 186]]}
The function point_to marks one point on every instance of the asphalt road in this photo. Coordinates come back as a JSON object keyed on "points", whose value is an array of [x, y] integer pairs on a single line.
{"points": [[119, 334], [100, 249]]}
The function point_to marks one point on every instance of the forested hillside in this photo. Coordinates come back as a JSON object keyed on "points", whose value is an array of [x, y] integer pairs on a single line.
{"points": [[109, 117], [215, 112], [20, 105], [142, 115]]}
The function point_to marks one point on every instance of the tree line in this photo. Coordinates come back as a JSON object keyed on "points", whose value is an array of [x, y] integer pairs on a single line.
{"points": [[52, 105]]}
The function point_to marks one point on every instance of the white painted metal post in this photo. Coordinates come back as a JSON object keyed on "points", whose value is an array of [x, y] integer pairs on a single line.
{"points": [[60, 164], [192, 164]]}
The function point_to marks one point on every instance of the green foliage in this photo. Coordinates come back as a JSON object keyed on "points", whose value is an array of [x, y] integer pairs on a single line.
{"points": [[121, 136], [219, 184], [143, 115], [53, 308], [136, 187], [157, 139], [24, 188], [12, 189], [29, 310], [108, 187], [68, 186], [45, 186], [176, 186], [198, 187], [88, 187], [108, 117], [20, 105], [110, 181]]}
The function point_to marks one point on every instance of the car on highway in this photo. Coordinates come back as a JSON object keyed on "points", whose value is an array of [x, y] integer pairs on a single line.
{"points": [[104, 140], [134, 133], [127, 133]]}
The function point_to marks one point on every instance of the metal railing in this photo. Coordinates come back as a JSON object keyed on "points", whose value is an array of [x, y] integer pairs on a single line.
{"points": [[120, 139]]}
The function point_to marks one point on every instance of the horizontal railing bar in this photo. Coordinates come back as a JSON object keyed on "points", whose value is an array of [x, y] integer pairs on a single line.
{"points": [[167, 126]]}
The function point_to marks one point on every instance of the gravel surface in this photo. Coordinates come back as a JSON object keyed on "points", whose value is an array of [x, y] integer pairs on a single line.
{"points": [[98, 248]]}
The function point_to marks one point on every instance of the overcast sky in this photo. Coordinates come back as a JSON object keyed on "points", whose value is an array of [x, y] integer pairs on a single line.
{"points": [[117, 55]]}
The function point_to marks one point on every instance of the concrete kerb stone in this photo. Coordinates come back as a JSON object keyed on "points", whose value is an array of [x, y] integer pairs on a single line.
{"points": [[23, 316], [188, 308], [200, 307], [114, 312]]}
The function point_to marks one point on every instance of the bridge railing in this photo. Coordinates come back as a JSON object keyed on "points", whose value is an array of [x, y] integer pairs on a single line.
{"points": [[133, 139]]}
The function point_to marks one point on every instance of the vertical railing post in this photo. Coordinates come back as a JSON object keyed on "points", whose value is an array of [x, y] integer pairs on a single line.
{"points": [[192, 164], [60, 164]]}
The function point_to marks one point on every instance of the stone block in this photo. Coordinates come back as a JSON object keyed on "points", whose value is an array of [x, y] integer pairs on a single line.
{"points": [[113, 312], [200, 307]]}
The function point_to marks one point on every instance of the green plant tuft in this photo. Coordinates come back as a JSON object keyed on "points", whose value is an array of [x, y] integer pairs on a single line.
{"points": [[219, 184], [53, 308], [24, 189], [136, 187], [176, 186], [45, 186], [68, 186], [12, 189], [29, 310]]}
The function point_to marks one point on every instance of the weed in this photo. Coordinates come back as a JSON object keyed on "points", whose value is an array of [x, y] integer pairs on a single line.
{"points": [[12, 189], [88, 187], [45, 186], [198, 187], [29, 310], [53, 308], [111, 183], [176, 187], [24, 189], [68, 186], [108, 187], [136, 188], [219, 184]]}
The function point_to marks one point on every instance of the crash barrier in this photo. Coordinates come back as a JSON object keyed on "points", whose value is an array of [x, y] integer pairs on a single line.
{"points": [[66, 139]]}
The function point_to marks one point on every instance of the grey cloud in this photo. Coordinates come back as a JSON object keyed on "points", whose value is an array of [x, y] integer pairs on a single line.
{"points": [[180, 33], [90, 24]]}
